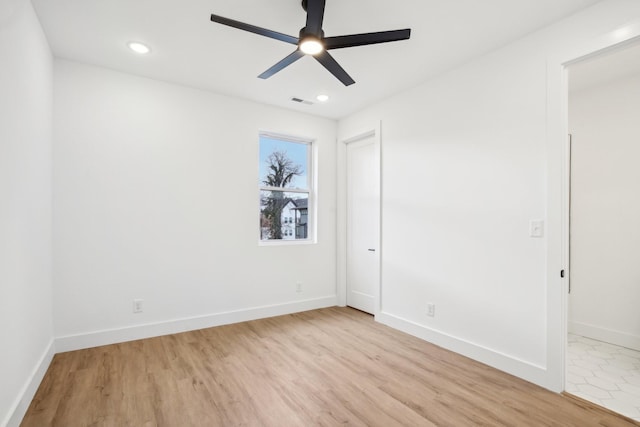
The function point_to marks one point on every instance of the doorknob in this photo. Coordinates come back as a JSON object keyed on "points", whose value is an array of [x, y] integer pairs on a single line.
{"points": [[372, 250]]}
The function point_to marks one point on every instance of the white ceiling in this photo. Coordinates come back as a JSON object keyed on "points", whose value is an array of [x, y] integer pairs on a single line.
{"points": [[605, 67], [189, 49]]}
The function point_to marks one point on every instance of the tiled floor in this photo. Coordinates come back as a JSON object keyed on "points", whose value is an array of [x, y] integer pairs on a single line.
{"points": [[605, 374]]}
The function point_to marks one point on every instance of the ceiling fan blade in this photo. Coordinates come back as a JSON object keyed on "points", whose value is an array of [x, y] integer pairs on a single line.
{"points": [[290, 59], [253, 29], [334, 68], [315, 15], [339, 42]]}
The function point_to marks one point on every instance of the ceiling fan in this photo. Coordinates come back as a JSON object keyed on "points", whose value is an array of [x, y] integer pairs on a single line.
{"points": [[312, 41]]}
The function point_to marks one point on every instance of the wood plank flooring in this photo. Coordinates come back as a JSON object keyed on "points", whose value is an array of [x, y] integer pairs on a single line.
{"points": [[326, 367]]}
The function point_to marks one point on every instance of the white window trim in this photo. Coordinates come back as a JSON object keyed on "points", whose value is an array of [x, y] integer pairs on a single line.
{"points": [[312, 180]]}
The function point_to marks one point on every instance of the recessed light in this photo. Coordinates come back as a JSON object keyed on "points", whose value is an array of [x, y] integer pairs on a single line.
{"points": [[138, 47], [322, 98]]}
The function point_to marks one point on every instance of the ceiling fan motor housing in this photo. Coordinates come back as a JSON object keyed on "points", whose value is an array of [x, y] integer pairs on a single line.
{"points": [[304, 34]]}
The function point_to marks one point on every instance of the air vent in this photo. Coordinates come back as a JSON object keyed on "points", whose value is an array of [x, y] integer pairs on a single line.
{"points": [[301, 101]]}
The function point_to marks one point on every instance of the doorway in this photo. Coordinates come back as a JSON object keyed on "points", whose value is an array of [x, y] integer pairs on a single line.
{"points": [[603, 322], [363, 223]]}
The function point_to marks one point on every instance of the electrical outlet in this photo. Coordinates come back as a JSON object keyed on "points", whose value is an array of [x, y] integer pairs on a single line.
{"points": [[536, 228], [431, 310], [137, 306], [299, 287]]}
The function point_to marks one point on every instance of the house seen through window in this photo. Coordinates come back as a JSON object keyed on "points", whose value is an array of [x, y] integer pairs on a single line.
{"points": [[285, 188]]}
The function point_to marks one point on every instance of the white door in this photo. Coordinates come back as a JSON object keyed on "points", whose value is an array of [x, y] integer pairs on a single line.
{"points": [[363, 211]]}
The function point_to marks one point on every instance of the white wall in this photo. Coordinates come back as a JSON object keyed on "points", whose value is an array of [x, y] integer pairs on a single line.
{"points": [[25, 215], [464, 170], [605, 208], [155, 197]]}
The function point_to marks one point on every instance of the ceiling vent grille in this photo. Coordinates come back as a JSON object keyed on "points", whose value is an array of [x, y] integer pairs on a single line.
{"points": [[301, 101]]}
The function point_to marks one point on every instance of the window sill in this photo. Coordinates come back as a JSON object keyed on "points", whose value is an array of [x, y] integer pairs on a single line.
{"points": [[286, 242]]}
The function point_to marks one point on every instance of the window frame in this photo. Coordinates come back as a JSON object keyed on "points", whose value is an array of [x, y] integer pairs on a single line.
{"points": [[309, 191]]}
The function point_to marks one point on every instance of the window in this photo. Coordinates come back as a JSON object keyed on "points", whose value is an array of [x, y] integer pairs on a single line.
{"points": [[285, 188]]}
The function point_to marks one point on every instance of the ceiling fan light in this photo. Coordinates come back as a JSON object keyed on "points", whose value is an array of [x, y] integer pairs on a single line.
{"points": [[311, 46]]}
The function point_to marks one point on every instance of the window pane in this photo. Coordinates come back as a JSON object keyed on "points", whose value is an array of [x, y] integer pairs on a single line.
{"points": [[283, 163], [283, 215]]}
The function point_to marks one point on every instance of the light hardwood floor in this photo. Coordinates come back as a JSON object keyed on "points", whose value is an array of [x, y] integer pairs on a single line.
{"points": [[325, 367]]}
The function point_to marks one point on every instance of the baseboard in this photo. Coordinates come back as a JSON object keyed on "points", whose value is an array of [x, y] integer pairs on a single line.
{"points": [[504, 362], [149, 330], [27, 392], [607, 335]]}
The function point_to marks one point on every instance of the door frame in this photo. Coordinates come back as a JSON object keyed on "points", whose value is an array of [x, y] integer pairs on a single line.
{"points": [[372, 130], [558, 187]]}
